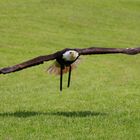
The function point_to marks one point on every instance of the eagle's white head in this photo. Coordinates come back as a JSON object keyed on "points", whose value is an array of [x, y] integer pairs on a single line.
{"points": [[70, 55]]}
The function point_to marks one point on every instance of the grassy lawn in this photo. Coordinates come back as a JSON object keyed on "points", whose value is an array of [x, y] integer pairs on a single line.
{"points": [[103, 101]]}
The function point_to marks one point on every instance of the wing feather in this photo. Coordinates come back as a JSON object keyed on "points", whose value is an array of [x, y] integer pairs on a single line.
{"points": [[32, 62], [94, 50]]}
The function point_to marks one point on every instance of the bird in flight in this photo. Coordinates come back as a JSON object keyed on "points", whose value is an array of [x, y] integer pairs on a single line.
{"points": [[65, 60]]}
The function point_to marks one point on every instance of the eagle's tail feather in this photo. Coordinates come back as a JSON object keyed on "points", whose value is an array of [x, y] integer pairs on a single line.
{"points": [[55, 68]]}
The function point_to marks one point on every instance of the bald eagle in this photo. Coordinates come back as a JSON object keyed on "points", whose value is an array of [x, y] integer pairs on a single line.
{"points": [[65, 60]]}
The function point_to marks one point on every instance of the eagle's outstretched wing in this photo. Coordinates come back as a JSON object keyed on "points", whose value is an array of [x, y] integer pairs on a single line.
{"points": [[26, 64], [94, 50], [85, 51], [32, 62]]}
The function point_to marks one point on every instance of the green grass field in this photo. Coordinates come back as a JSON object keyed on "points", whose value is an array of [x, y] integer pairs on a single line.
{"points": [[103, 102]]}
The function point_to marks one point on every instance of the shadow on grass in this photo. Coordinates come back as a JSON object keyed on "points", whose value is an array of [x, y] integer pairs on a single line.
{"points": [[78, 113], [25, 114]]}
